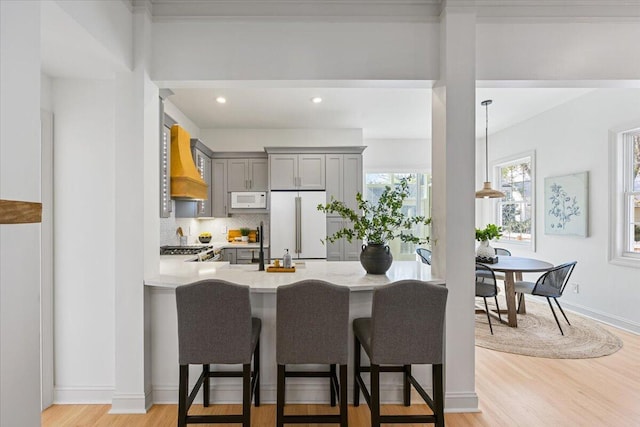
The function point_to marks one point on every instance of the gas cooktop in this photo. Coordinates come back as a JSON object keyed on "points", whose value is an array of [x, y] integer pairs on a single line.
{"points": [[183, 250]]}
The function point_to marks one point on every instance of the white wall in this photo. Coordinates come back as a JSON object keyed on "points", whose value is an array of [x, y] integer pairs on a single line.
{"points": [[172, 111], [195, 50], [108, 22], [20, 243], [574, 138], [84, 229], [257, 139], [561, 50], [397, 155]]}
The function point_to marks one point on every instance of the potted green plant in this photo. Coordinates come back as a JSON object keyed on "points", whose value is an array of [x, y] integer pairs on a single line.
{"points": [[377, 224], [484, 236], [244, 232]]}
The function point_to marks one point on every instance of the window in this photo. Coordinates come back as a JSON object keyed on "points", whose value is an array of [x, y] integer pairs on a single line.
{"points": [[515, 211], [625, 206], [418, 203], [632, 194]]}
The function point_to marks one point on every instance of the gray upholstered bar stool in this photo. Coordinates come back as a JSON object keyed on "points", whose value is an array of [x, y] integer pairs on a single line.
{"points": [[215, 327], [312, 319], [406, 327]]}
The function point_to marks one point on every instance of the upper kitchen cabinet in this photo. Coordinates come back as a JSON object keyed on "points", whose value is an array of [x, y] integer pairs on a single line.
{"points": [[220, 207], [247, 174], [344, 177], [296, 171]]}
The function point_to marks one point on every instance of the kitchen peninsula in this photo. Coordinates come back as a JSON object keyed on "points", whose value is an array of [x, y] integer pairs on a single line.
{"points": [[164, 339]]}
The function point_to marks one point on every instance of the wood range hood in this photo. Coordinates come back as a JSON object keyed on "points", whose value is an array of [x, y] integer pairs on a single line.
{"points": [[186, 182]]}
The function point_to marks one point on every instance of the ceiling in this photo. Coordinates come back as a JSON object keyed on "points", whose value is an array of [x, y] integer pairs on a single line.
{"points": [[382, 113]]}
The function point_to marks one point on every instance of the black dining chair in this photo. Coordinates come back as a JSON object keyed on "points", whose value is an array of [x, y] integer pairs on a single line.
{"points": [[486, 287], [550, 285], [424, 254], [503, 251]]}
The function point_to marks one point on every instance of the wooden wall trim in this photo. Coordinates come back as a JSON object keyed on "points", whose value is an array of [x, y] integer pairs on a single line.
{"points": [[16, 212]]}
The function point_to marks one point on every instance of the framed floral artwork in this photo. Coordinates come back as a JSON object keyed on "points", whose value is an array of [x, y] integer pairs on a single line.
{"points": [[566, 208]]}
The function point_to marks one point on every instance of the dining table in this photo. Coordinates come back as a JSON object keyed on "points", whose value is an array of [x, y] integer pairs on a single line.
{"points": [[513, 267]]}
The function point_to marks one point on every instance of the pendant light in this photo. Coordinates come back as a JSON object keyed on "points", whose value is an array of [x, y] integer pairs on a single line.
{"points": [[487, 192]]}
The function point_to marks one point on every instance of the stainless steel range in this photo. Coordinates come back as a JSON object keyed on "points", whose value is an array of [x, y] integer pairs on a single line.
{"points": [[205, 253]]}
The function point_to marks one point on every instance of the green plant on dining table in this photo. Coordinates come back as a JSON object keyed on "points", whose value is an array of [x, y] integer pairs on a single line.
{"points": [[490, 232], [379, 222]]}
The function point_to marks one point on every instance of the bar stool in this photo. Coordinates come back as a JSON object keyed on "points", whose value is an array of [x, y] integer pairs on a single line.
{"points": [[215, 327], [406, 327], [312, 319]]}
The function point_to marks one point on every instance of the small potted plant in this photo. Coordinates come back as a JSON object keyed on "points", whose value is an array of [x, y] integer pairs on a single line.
{"points": [[244, 232], [377, 224], [484, 236]]}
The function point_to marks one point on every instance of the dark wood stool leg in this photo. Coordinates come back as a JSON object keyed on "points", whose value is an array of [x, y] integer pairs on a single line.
{"points": [[256, 373], [205, 385], [407, 385], [183, 391], [375, 395], [438, 394], [356, 372], [246, 395], [332, 391], [280, 398], [344, 415]]}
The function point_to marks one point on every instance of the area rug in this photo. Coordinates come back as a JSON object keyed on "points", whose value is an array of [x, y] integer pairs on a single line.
{"points": [[538, 335]]}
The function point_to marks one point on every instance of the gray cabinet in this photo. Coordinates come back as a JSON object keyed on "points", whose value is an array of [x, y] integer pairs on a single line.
{"points": [[344, 181], [219, 199], [297, 171], [341, 250], [243, 255], [344, 178], [247, 175]]}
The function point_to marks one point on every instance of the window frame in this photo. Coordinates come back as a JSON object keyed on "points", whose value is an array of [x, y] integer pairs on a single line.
{"points": [[428, 178], [620, 162], [496, 165]]}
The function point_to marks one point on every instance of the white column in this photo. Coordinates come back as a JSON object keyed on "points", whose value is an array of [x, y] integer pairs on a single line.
{"points": [[136, 127], [453, 214], [20, 151]]}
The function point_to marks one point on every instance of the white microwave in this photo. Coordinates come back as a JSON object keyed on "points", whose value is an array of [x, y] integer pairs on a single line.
{"points": [[248, 200]]}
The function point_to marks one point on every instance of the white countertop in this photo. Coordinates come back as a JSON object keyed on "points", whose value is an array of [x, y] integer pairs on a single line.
{"points": [[174, 271]]}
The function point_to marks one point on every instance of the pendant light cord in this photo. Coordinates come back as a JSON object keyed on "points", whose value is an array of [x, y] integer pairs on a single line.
{"points": [[486, 143]]}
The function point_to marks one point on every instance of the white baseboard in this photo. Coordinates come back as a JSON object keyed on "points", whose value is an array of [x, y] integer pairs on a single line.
{"points": [[300, 393], [459, 402], [131, 403], [313, 393], [609, 319], [82, 395]]}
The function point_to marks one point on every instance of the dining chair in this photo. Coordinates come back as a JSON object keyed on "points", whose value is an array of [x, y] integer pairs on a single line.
{"points": [[406, 327], [550, 285], [503, 251], [486, 287], [424, 254], [312, 327], [215, 327]]}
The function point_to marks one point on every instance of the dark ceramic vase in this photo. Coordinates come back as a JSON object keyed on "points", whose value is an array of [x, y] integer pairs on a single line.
{"points": [[376, 258]]}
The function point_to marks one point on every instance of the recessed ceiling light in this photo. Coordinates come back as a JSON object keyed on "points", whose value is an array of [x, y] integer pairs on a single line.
{"points": [[221, 100], [316, 100]]}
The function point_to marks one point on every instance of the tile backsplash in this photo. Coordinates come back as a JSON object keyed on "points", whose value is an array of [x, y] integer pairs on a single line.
{"points": [[218, 227]]}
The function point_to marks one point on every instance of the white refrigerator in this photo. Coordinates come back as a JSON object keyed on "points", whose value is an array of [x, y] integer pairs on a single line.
{"points": [[296, 224]]}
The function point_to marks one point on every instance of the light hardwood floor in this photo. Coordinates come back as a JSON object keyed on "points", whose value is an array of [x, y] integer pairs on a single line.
{"points": [[513, 390]]}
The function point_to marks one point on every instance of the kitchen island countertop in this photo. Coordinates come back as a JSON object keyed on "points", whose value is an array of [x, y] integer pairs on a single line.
{"points": [[174, 271]]}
